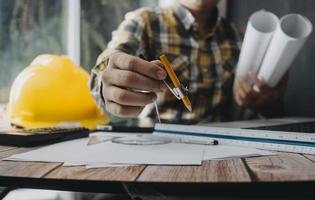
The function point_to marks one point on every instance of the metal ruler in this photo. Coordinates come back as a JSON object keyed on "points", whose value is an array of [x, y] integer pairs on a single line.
{"points": [[262, 139]]}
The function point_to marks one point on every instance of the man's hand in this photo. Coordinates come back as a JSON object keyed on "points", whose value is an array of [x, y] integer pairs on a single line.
{"points": [[246, 96], [124, 79]]}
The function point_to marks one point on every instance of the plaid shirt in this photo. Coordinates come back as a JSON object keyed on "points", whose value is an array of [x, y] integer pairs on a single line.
{"points": [[205, 65]]}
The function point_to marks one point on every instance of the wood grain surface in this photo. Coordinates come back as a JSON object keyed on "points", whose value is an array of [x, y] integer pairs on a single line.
{"points": [[102, 174], [5, 148], [210, 171], [23, 169], [282, 167]]}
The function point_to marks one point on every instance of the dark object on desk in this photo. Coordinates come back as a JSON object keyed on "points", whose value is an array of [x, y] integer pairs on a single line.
{"points": [[300, 127], [120, 128], [41, 136]]}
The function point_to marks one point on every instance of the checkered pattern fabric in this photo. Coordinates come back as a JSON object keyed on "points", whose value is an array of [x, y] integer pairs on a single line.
{"points": [[206, 65]]}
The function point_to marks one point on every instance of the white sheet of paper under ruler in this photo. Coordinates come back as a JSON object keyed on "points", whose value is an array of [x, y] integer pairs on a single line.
{"points": [[262, 139]]}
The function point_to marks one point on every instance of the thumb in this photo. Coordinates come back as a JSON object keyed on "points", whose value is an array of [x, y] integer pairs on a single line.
{"points": [[158, 62]]}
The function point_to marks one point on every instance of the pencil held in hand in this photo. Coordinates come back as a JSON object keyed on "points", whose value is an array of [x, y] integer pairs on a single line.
{"points": [[175, 80], [187, 103]]}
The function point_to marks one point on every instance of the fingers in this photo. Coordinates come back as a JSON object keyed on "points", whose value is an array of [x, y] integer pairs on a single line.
{"points": [[126, 97], [124, 76], [129, 79], [253, 97], [124, 103], [127, 62], [257, 82], [242, 92], [158, 62], [237, 93], [123, 111], [242, 89], [245, 88], [238, 99]]}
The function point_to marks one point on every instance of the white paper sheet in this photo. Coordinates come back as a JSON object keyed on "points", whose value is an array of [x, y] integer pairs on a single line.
{"points": [[77, 151], [222, 152], [212, 152], [259, 31], [94, 165], [108, 154], [288, 39], [72, 164]]}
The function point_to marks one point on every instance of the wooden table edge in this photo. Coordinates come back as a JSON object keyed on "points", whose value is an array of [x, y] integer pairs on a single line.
{"points": [[214, 189]]}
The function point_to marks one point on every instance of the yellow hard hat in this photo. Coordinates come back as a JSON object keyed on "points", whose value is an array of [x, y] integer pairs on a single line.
{"points": [[50, 91]]}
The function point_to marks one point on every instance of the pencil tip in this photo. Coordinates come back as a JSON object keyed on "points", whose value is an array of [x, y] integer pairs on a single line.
{"points": [[189, 108]]}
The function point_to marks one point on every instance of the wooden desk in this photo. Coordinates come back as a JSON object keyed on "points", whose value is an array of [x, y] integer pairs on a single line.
{"points": [[283, 175]]}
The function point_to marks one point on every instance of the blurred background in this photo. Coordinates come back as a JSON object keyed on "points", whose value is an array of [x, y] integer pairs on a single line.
{"points": [[32, 27], [82, 29]]}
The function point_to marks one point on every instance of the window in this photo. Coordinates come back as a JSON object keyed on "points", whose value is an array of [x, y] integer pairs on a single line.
{"points": [[28, 28], [33, 27]]}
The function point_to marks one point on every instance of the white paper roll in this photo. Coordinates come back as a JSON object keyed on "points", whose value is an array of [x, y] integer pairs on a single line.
{"points": [[287, 41], [259, 31]]}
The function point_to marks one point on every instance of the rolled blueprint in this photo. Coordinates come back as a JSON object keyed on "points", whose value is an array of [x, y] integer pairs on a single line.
{"points": [[287, 41], [259, 31]]}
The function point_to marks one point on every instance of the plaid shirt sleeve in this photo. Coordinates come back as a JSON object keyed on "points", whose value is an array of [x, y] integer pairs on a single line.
{"points": [[205, 64], [128, 38]]}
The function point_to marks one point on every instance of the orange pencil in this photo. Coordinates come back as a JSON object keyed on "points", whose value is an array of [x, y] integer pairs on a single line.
{"points": [[174, 80]]}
